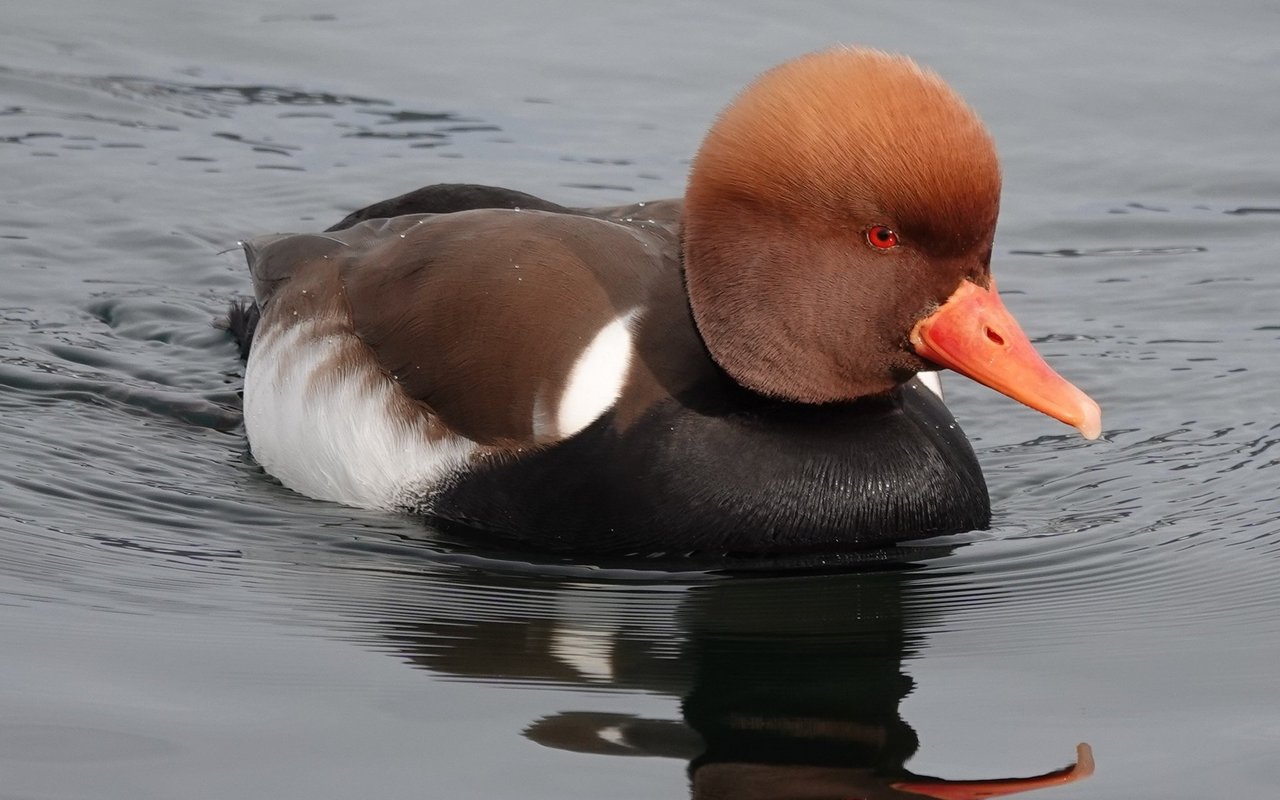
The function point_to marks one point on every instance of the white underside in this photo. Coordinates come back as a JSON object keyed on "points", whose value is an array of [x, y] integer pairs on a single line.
{"points": [[337, 435]]}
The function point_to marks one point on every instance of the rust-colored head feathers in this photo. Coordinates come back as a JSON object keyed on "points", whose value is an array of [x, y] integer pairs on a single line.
{"points": [[787, 293]]}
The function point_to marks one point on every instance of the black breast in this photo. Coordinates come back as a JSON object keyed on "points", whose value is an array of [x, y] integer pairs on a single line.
{"points": [[744, 477]]}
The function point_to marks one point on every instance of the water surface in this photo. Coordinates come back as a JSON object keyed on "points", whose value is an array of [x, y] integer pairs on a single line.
{"points": [[175, 624]]}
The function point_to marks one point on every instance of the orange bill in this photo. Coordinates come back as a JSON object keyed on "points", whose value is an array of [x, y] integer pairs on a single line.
{"points": [[980, 790], [974, 334]]}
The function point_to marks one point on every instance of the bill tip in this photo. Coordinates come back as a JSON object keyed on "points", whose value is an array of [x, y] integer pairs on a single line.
{"points": [[1090, 426]]}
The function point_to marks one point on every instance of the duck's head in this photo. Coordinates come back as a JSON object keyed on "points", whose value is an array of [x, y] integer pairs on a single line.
{"points": [[838, 232]]}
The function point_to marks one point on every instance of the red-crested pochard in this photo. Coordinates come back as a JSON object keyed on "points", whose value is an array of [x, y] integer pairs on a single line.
{"points": [[732, 373]]}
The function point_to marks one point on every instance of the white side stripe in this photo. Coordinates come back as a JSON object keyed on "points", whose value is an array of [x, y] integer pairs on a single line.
{"points": [[596, 378]]}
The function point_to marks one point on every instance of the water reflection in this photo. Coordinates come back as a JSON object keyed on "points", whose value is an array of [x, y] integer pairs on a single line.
{"points": [[788, 687]]}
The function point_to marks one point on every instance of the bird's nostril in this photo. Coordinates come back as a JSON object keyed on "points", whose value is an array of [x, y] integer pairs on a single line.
{"points": [[994, 337]]}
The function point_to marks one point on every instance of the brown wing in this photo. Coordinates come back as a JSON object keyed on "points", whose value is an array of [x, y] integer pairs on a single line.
{"points": [[448, 198], [275, 258], [478, 315]]}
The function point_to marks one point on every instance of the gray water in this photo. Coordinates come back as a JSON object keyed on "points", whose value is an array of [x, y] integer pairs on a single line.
{"points": [[173, 623]]}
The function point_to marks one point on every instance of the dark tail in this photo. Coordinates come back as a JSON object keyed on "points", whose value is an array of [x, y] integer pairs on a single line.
{"points": [[242, 321]]}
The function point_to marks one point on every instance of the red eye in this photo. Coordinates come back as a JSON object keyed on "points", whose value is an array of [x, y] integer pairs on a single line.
{"points": [[881, 237]]}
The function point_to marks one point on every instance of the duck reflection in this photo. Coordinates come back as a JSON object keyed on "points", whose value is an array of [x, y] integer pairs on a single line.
{"points": [[789, 687]]}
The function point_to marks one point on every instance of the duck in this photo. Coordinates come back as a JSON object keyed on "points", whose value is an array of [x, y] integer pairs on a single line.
{"points": [[743, 371]]}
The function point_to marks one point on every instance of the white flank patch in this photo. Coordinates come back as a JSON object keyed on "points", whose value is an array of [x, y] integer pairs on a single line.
{"points": [[336, 435], [596, 378], [932, 381]]}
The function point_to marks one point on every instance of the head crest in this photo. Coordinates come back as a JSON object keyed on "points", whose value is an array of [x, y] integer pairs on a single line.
{"points": [[846, 131]]}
